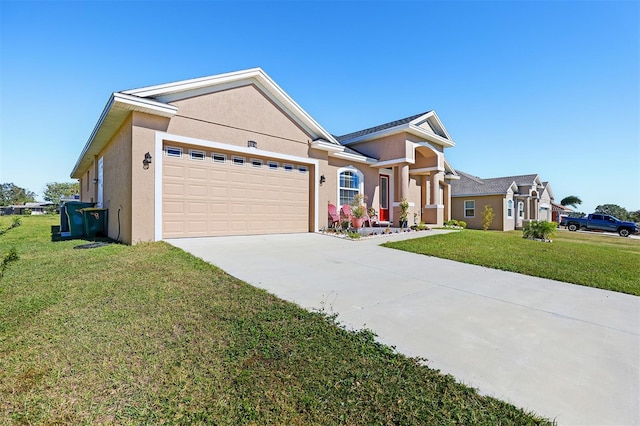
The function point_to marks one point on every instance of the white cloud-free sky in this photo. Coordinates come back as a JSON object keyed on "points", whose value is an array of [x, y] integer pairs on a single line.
{"points": [[548, 87]]}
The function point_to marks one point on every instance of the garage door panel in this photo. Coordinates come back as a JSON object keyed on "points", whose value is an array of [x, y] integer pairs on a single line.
{"points": [[199, 191], [206, 198]]}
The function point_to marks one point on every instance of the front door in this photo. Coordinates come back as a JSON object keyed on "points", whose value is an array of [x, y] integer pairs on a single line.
{"points": [[384, 198]]}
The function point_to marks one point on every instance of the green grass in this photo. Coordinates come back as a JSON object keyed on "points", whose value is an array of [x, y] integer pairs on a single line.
{"points": [[152, 335], [594, 260]]}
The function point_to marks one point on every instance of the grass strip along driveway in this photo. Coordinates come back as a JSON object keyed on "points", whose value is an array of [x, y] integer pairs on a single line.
{"points": [[152, 335], [593, 260]]}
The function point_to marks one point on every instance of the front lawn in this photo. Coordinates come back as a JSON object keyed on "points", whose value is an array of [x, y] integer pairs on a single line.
{"points": [[594, 260], [152, 335]]}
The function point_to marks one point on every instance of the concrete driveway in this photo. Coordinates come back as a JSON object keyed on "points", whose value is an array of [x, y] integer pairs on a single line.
{"points": [[567, 352]]}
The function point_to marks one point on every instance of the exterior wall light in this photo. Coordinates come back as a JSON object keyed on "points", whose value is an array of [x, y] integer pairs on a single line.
{"points": [[146, 161], [252, 144], [322, 179]]}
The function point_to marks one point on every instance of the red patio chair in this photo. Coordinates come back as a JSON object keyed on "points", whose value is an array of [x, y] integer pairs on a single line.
{"points": [[334, 217], [345, 213]]}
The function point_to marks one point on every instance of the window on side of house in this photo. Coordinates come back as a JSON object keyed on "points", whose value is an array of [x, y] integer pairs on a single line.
{"points": [[520, 209], [171, 151], [349, 186], [509, 208], [194, 154], [470, 208], [219, 158]]}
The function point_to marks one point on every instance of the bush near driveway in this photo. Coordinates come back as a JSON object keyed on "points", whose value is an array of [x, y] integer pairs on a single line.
{"points": [[152, 335], [593, 260]]}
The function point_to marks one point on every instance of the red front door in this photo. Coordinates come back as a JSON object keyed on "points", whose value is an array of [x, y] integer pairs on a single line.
{"points": [[384, 198]]}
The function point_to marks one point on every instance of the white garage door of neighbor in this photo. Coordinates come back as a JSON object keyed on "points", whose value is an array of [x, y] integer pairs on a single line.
{"points": [[206, 198]]}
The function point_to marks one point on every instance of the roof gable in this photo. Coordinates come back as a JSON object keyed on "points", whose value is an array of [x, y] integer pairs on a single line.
{"points": [[425, 125], [156, 100]]}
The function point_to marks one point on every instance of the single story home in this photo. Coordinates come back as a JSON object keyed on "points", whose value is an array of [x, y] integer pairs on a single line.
{"points": [[233, 154], [515, 200], [559, 212], [32, 208]]}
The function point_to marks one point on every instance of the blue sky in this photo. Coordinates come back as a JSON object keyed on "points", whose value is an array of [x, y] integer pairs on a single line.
{"points": [[548, 87]]}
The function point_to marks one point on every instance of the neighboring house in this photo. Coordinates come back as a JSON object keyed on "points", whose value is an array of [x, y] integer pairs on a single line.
{"points": [[233, 154], [35, 208], [515, 200], [559, 212]]}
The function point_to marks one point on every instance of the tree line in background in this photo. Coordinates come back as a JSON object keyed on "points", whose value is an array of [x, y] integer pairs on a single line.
{"points": [[11, 194], [610, 209]]}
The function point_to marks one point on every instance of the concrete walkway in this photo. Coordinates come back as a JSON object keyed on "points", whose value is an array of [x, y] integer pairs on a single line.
{"points": [[567, 352]]}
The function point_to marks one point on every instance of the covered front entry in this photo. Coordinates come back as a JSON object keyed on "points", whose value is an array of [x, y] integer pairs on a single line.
{"points": [[215, 193]]}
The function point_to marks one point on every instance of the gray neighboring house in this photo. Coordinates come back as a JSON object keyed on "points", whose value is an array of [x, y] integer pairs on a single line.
{"points": [[35, 208], [515, 200]]}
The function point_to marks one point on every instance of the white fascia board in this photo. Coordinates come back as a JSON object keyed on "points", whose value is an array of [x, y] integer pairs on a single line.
{"points": [[447, 166], [191, 84], [118, 102], [418, 131], [353, 157], [376, 135], [404, 128], [135, 103], [432, 114], [426, 170], [326, 146], [188, 88], [394, 162], [105, 111]]}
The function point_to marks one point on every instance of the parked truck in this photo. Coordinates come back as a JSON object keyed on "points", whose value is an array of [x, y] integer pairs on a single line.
{"points": [[600, 222]]}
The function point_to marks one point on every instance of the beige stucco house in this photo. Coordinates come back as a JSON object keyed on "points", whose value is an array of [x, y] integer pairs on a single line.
{"points": [[515, 200], [233, 154]]}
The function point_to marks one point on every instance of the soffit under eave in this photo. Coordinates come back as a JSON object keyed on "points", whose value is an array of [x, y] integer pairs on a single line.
{"points": [[116, 112]]}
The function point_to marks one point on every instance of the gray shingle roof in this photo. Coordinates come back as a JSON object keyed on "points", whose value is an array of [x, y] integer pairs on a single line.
{"points": [[379, 128], [473, 185]]}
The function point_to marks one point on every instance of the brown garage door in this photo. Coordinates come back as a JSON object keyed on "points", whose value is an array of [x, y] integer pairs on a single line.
{"points": [[221, 193]]}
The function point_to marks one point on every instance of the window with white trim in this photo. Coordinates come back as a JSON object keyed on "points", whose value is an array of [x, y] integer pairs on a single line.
{"points": [[171, 151], [256, 163], [302, 169], [219, 158], [237, 161], [350, 183], [273, 165], [287, 167], [470, 208], [520, 209], [194, 154], [509, 208]]}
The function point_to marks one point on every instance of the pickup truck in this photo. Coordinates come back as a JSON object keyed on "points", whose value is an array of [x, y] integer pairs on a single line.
{"points": [[600, 222]]}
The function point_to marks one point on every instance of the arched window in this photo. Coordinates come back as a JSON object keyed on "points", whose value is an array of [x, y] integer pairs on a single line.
{"points": [[520, 209], [509, 208], [350, 183]]}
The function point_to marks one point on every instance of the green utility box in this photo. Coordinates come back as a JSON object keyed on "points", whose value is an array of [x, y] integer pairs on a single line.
{"points": [[95, 222], [73, 210]]}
